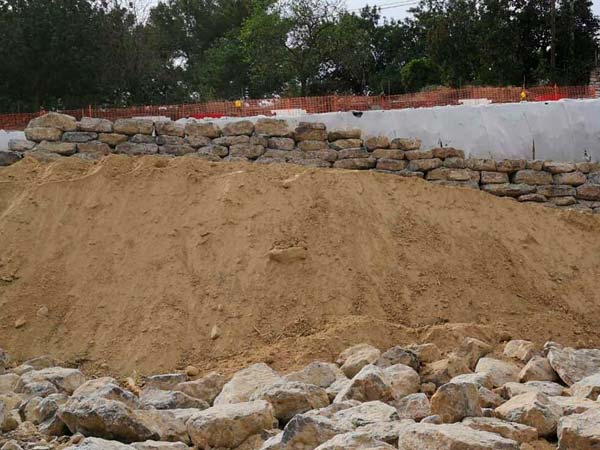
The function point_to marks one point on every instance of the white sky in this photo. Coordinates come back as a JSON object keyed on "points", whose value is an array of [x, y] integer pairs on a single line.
{"points": [[398, 9]]}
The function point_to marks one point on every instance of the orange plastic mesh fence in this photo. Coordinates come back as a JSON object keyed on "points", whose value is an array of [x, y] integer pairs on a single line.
{"points": [[332, 103]]}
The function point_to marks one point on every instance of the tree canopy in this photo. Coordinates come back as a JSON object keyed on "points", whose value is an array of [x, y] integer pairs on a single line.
{"points": [[71, 53]]}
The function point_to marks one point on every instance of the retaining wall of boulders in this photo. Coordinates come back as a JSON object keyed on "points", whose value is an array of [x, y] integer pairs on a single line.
{"points": [[268, 140]]}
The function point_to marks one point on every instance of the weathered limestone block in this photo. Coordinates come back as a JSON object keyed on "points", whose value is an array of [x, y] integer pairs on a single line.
{"points": [[533, 177], [512, 389], [284, 155], [281, 143], [142, 139], [291, 398], [198, 141], [538, 198], [382, 153], [60, 148], [320, 374], [574, 405], [112, 139], [563, 201], [206, 388], [423, 165], [571, 178], [556, 190], [38, 134], [95, 125], [159, 445], [132, 127], [20, 145], [305, 432], [508, 189], [310, 131], [444, 173], [403, 380], [580, 431], [454, 436], [8, 382], [342, 144], [166, 381], [447, 152], [215, 151], [535, 164], [572, 365], [537, 368], [249, 151], [79, 136], [374, 142], [482, 165], [385, 431], [442, 371], [354, 440], [555, 167], [130, 148], [93, 443], [354, 358], [455, 163], [95, 148], [108, 389], [520, 349], [355, 163], [471, 350], [405, 143], [418, 154], [371, 383], [349, 153], [455, 401], [489, 399], [206, 129], [365, 413], [48, 381], [413, 406], [347, 133], [465, 184], [170, 128], [245, 382], [161, 399], [426, 353], [176, 150], [482, 379], [272, 127], [589, 191], [311, 145], [398, 355], [533, 409], [510, 165], [7, 159], [588, 387], [325, 155], [509, 430], [62, 122], [238, 128], [500, 372], [165, 139]]}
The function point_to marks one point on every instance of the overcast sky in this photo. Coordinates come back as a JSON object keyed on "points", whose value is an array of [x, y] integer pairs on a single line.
{"points": [[398, 9]]}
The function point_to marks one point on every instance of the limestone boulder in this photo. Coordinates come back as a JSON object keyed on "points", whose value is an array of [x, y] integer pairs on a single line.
{"points": [[159, 445], [38, 134], [272, 127], [107, 388], [131, 148], [8, 382], [311, 145], [79, 136], [442, 371], [426, 353], [471, 350], [310, 131], [320, 374], [152, 398], [494, 177], [245, 382], [132, 127], [374, 142], [403, 380], [405, 143], [588, 387], [230, 140], [196, 129], [387, 432], [398, 355], [508, 189], [93, 443], [537, 368], [49, 381], [59, 121], [95, 125], [588, 191], [555, 167], [353, 359], [580, 431], [549, 388], [391, 164], [93, 149], [556, 190], [480, 379], [20, 145], [447, 152], [572, 365], [291, 398], [509, 430], [533, 409], [413, 406], [571, 179], [59, 148], [229, 425], [281, 143], [511, 165], [452, 437], [500, 372], [371, 383], [520, 349], [364, 414], [305, 432], [345, 133], [574, 405], [354, 441], [170, 128], [206, 388], [489, 399], [455, 401], [353, 153], [532, 177], [238, 128], [355, 163], [423, 165], [343, 144], [112, 139], [249, 151]]}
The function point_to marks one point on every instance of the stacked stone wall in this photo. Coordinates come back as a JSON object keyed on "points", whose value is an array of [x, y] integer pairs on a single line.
{"points": [[556, 184]]}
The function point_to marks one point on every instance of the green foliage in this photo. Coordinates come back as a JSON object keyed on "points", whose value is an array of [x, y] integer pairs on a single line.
{"points": [[71, 53]]}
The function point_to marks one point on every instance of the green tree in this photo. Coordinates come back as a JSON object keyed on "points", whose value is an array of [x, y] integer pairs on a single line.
{"points": [[419, 73]]}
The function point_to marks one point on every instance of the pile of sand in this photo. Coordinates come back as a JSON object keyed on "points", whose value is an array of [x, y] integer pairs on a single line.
{"points": [[130, 264]]}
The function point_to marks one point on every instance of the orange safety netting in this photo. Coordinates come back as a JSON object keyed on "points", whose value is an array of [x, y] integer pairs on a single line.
{"points": [[331, 103]]}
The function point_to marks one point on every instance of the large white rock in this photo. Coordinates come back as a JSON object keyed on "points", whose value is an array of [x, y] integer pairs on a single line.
{"points": [[481, 379], [50, 381], [320, 374], [533, 409], [305, 432], [364, 414], [371, 383], [572, 365], [245, 382], [161, 399], [455, 401], [580, 431], [403, 380], [291, 398], [510, 430], [442, 371], [92, 443], [538, 368], [588, 387], [413, 406], [206, 388], [229, 425], [456, 436], [354, 441], [548, 388], [386, 431], [353, 359], [500, 372], [471, 350], [574, 405], [109, 389], [520, 349], [398, 355]]}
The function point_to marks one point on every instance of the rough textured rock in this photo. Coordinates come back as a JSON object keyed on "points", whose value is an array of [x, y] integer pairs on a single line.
{"points": [[455, 401], [572, 365], [354, 441], [356, 357], [386, 431], [580, 431], [423, 165], [347, 133], [532, 177], [162, 399], [159, 445], [206, 388], [237, 128], [403, 380], [131, 127], [451, 437], [272, 127], [79, 136], [364, 414], [500, 372], [510, 165], [343, 144], [426, 353], [310, 145], [320, 374], [245, 382], [49, 381], [447, 152], [38, 134], [8, 158], [558, 167], [549, 388], [281, 143], [413, 406], [205, 129], [112, 139], [471, 350], [355, 163], [169, 128], [482, 379], [62, 122], [588, 387], [533, 409], [130, 148], [574, 405], [291, 398], [371, 383], [349, 153], [510, 430], [520, 349], [96, 148], [508, 189], [92, 443], [405, 143], [374, 142], [20, 145], [382, 153], [488, 398], [249, 151], [229, 425], [306, 432], [95, 125], [589, 191], [571, 179], [398, 355], [310, 131], [537, 368], [442, 371], [556, 190], [8, 382]]}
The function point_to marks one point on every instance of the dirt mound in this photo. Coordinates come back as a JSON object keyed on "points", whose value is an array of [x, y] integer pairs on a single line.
{"points": [[132, 264]]}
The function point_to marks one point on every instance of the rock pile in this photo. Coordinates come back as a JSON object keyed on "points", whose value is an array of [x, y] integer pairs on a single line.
{"points": [[405, 398], [268, 140]]}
